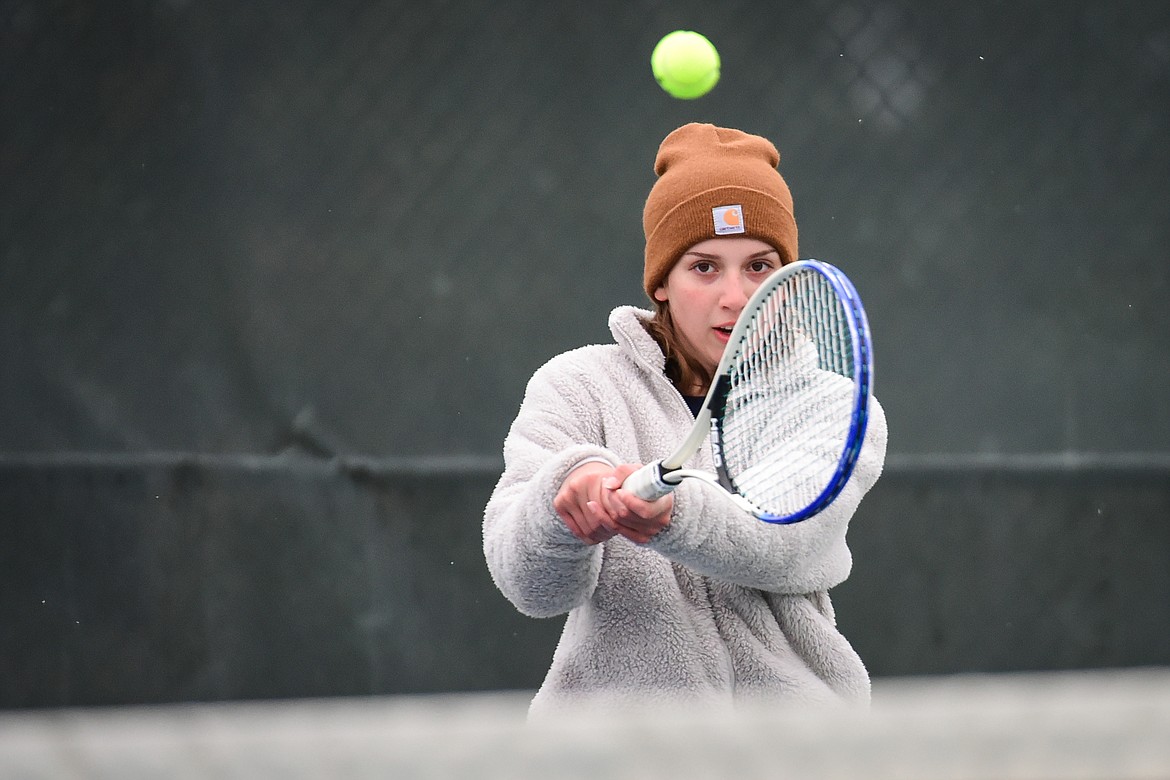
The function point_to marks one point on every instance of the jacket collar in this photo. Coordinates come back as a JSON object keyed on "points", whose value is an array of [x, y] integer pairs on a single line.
{"points": [[625, 323]]}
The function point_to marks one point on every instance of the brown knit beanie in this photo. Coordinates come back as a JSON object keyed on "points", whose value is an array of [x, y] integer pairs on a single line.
{"points": [[714, 181]]}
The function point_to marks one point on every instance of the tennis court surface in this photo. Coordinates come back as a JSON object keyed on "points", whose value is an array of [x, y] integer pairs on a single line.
{"points": [[1109, 724]]}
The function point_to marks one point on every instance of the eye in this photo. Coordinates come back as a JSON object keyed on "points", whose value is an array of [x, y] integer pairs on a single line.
{"points": [[703, 266], [760, 266]]}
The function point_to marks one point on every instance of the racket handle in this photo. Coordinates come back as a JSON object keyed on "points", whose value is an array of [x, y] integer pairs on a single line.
{"points": [[649, 482]]}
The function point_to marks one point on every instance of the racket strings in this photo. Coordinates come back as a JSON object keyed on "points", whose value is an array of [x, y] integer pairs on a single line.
{"points": [[788, 410]]}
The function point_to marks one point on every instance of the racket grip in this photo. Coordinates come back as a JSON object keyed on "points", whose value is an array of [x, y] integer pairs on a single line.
{"points": [[648, 483]]}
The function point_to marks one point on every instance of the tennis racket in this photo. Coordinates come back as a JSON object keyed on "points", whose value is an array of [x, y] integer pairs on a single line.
{"points": [[787, 408]]}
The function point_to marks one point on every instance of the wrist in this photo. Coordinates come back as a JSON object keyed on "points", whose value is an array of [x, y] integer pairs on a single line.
{"points": [[587, 461]]}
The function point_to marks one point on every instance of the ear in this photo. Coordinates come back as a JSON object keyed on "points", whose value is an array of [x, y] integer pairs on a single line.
{"points": [[660, 294]]}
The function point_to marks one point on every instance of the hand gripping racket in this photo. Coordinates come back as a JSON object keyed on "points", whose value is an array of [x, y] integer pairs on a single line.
{"points": [[787, 407]]}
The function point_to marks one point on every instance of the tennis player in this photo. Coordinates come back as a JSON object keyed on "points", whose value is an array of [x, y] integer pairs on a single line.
{"points": [[686, 599]]}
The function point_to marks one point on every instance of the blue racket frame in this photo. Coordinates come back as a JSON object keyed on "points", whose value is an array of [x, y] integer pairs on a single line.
{"points": [[863, 390]]}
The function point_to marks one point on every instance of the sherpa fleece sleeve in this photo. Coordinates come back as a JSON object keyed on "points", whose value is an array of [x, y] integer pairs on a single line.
{"points": [[534, 559], [710, 535]]}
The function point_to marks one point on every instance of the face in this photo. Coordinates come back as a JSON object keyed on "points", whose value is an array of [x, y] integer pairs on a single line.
{"points": [[708, 287]]}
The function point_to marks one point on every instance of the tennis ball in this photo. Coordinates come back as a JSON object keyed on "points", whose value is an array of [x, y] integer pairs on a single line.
{"points": [[686, 64]]}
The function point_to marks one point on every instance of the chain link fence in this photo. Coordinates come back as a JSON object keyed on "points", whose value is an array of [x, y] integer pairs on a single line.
{"points": [[233, 232], [357, 227]]}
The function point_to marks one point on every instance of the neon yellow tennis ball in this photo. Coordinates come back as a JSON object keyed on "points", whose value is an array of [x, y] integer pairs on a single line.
{"points": [[686, 64]]}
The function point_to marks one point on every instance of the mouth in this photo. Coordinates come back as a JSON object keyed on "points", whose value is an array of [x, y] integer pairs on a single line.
{"points": [[723, 332]]}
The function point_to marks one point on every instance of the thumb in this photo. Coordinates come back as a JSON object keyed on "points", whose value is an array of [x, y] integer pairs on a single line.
{"points": [[622, 472]]}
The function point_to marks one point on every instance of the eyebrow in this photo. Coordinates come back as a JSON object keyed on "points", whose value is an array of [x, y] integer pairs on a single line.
{"points": [[706, 256]]}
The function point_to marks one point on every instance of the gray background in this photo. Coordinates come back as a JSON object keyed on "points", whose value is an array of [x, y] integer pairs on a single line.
{"points": [[290, 265]]}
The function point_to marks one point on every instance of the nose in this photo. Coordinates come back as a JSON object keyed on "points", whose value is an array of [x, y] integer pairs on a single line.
{"points": [[734, 293]]}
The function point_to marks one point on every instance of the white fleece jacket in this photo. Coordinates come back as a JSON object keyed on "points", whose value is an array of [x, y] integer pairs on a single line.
{"points": [[719, 606]]}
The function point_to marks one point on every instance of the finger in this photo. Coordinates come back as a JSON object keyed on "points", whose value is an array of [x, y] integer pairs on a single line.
{"points": [[623, 471], [637, 528], [613, 507], [638, 523], [594, 522], [600, 517], [599, 533], [575, 525], [637, 509], [602, 535], [635, 535]]}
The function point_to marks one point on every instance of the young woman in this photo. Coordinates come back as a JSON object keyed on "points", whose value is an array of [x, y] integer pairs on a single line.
{"points": [[686, 599]]}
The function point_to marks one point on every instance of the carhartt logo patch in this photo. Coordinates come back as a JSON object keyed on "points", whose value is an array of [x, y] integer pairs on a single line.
{"points": [[728, 219]]}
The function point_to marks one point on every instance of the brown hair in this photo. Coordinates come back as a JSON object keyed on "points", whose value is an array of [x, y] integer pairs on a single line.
{"points": [[682, 367]]}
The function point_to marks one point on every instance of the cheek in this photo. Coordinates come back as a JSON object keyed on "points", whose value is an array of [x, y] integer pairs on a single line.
{"points": [[691, 310], [693, 301]]}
